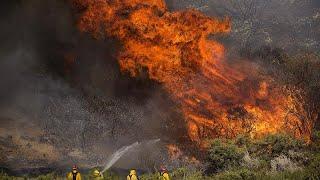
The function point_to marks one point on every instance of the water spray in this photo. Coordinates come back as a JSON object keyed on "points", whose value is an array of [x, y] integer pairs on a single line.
{"points": [[123, 150]]}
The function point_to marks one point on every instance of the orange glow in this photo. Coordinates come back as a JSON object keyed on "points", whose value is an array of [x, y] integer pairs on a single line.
{"points": [[174, 152], [216, 98], [69, 61]]}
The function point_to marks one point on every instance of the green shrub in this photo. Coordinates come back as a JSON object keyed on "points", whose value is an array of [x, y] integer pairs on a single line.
{"points": [[224, 154], [228, 175], [149, 176], [313, 169], [241, 174], [187, 174], [316, 137], [283, 175], [50, 176], [109, 175], [315, 146], [274, 145], [247, 174], [243, 140], [5, 176]]}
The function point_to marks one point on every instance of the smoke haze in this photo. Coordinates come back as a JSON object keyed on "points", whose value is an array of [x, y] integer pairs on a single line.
{"points": [[52, 114], [56, 114]]}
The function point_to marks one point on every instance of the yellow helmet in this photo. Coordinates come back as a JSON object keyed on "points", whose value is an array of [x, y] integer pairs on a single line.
{"points": [[96, 172], [133, 171]]}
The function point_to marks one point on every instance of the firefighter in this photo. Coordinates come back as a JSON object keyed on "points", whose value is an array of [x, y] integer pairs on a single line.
{"points": [[96, 175], [74, 174], [132, 175], [164, 175]]}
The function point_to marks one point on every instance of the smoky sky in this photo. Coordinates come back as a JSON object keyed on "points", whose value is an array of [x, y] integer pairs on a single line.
{"points": [[85, 112], [54, 116]]}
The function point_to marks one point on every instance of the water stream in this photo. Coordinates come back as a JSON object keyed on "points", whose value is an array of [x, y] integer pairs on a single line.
{"points": [[120, 152]]}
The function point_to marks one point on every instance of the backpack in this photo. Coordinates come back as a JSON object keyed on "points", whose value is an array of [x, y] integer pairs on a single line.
{"points": [[74, 176]]}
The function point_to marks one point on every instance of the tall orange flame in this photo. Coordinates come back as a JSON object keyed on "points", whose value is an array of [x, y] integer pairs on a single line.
{"points": [[216, 98]]}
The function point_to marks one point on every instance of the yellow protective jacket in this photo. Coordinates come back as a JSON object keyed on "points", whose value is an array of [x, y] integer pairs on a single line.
{"points": [[73, 176], [132, 175], [164, 176]]}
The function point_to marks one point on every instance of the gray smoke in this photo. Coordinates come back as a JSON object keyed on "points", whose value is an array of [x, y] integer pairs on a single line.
{"points": [[52, 118]]}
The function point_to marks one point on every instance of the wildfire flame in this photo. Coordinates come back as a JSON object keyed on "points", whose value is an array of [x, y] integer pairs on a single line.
{"points": [[173, 48]]}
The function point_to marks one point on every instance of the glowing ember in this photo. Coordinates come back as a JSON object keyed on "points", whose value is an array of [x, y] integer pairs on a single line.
{"points": [[216, 98]]}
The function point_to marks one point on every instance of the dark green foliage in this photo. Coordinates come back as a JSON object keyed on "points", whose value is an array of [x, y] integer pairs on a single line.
{"points": [[224, 154], [179, 173], [243, 140], [228, 156], [313, 168], [315, 146], [108, 175], [274, 145], [248, 174], [241, 174], [51, 176], [187, 174], [5, 176], [225, 158], [47, 177]]}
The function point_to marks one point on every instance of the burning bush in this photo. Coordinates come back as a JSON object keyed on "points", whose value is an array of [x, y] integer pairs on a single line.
{"points": [[173, 48]]}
